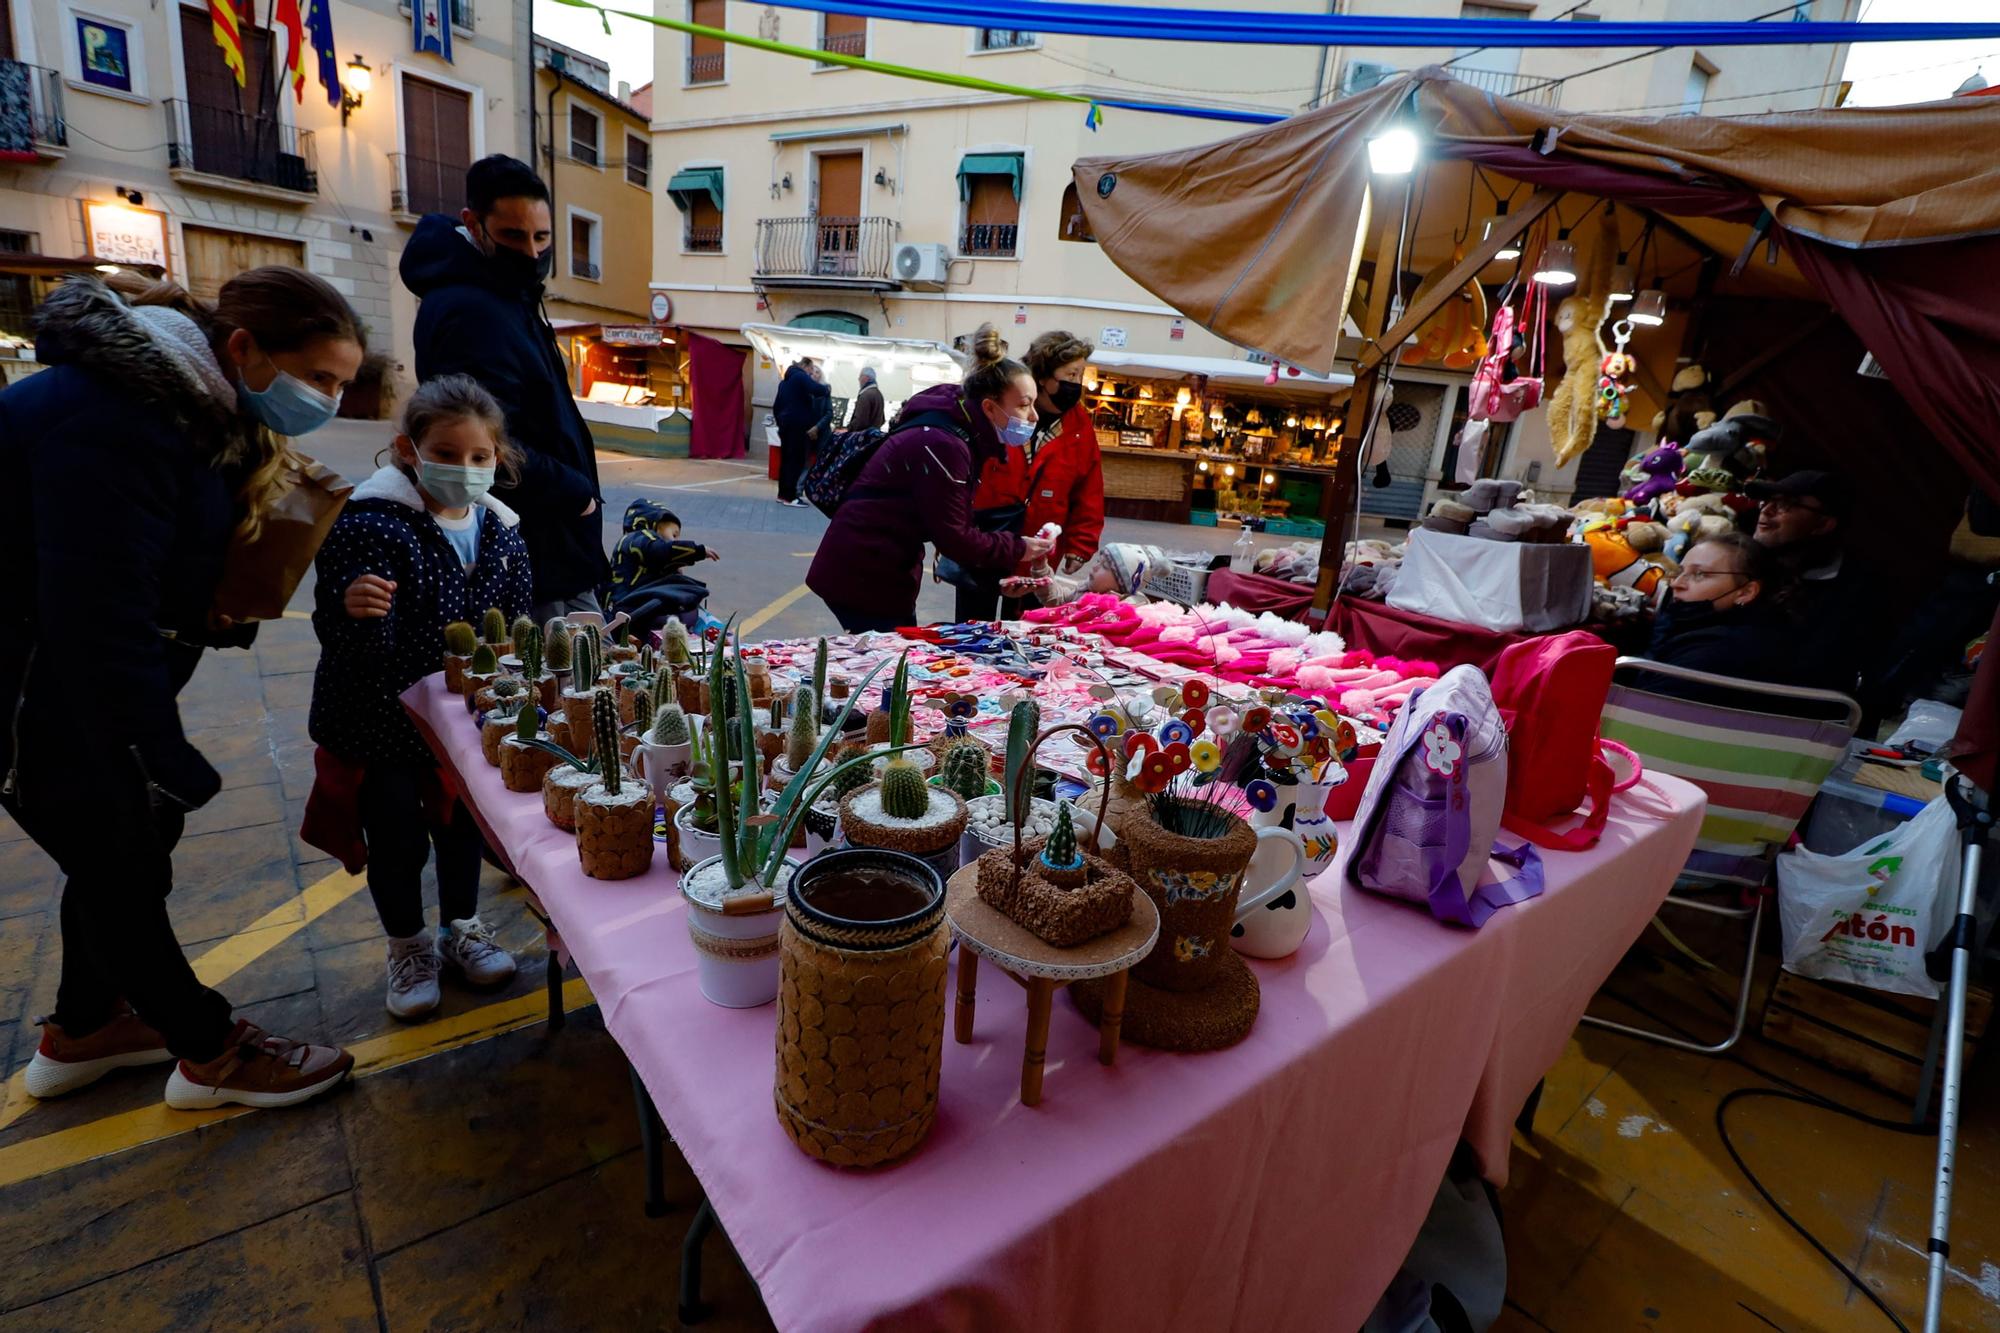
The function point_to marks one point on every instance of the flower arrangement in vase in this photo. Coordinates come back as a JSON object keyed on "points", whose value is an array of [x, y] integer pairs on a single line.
{"points": [[459, 643], [614, 819], [736, 895]]}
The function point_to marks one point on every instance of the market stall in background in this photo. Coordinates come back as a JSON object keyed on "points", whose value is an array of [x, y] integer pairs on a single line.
{"points": [[629, 379], [25, 280], [904, 365]]}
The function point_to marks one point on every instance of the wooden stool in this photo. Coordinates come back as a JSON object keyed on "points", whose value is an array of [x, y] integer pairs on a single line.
{"points": [[1041, 969]]}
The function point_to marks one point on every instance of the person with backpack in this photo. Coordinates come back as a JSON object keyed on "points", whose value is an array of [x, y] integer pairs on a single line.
{"points": [[915, 486]]}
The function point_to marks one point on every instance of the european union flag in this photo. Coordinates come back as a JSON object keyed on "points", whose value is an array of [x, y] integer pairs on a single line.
{"points": [[319, 32]]}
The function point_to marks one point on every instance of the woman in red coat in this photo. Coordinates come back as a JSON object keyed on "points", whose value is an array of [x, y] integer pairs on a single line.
{"points": [[1058, 478]]}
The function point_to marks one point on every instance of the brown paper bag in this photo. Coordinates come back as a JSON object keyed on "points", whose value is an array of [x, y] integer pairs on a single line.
{"points": [[260, 575]]}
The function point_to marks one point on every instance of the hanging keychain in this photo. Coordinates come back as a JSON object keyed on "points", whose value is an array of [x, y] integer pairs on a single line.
{"points": [[1613, 393]]}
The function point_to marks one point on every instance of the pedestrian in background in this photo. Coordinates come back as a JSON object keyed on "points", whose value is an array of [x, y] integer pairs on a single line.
{"points": [[479, 280], [869, 411], [129, 465], [1058, 478], [917, 488], [803, 408]]}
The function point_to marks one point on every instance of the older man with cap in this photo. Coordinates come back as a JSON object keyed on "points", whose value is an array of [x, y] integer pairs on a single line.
{"points": [[1800, 520], [869, 411]]}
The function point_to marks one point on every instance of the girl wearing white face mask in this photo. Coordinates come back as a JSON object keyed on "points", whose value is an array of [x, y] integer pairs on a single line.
{"points": [[420, 544]]}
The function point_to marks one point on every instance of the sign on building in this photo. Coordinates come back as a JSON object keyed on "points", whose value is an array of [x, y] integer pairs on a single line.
{"points": [[1110, 337], [121, 234]]}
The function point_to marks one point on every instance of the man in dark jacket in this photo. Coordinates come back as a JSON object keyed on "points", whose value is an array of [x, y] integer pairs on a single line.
{"points": [[479, 279], [869, 412], [803, 407]]}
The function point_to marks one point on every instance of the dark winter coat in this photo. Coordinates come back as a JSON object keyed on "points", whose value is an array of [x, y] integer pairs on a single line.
{"points": [[115, 518], [869, 412], [366, 664], [916, 488], [801, 402], [473, 320], [644, 559]]}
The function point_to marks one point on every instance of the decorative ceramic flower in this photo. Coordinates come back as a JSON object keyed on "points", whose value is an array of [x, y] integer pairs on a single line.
{"points": [[1257, 719], [961, 706], [1139, 742], [713, 634], [1103, 724], [1327, 718], [1441, 752], [1321, 750], [1196, 720], [1194, 694], [1222, 723], [1285, 739], [1207, 756], [1179, 758], [1307, 724], [1150, 772], [1262, 795], [1176, 733], [1098, 761]]}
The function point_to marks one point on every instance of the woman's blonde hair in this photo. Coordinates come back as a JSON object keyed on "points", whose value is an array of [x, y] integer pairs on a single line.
{"points": [[993, 370], [450, 398], [283, 309]]}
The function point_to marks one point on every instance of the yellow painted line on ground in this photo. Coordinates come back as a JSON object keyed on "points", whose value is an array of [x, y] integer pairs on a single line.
{"points": [[149, 1124], [756, 621], [298, 615], [225, 959]]}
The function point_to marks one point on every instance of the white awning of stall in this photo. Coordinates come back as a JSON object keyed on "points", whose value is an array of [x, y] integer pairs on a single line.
{"points": [[1245, 374]]}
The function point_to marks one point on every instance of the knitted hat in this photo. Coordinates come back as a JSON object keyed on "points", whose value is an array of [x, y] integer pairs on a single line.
{"points": [[181, 341], [1129, 563]]}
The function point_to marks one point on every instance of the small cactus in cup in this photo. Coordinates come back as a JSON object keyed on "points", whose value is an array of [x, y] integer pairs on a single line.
{"points": [[604, 722], [493, 626], [904, 794], [485, 661], [670, 726], [528, 647], [518, 630], [459, 640], [556, 644], [965, 769], [585, 664], [1059, 852], [679, 652]]}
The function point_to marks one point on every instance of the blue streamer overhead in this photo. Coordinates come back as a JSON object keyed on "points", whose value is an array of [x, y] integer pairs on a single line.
{"points": [[1153, 23]]}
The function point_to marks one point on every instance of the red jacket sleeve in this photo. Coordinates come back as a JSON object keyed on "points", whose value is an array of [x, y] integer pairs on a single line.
{"points": [[1086, 498]]}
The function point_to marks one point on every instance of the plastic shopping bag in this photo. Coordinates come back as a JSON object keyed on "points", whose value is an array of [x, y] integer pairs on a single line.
{"points": [[1868, 916]]}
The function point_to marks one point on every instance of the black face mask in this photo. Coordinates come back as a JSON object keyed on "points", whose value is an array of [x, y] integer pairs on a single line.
{"points": [[519, 268], [1065, 395]]}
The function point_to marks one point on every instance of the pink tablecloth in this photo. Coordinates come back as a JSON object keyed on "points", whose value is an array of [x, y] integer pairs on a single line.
{"points": [[1277, 1184]]}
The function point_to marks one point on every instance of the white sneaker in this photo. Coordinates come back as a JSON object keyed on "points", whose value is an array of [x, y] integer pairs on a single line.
{"points": [[413, 976], [468, 945]]}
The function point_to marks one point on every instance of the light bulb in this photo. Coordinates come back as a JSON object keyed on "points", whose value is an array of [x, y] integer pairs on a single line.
{"points": [[1649, 308], [1202, 466], [1393, 152], [1229, 469], [1510, 250], [1183, 397], [1557, 266]]}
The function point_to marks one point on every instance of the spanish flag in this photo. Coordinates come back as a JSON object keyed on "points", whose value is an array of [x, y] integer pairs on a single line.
{"points": [[291, 25], [222, 20]]}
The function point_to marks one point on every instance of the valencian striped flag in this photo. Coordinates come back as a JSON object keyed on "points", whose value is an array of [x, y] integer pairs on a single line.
{"points": [[293, 69], [319, 29], [222, 20], [430, 27]]}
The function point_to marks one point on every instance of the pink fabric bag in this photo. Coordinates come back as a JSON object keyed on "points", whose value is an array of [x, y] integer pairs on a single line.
{"points": [[1551, 691]]}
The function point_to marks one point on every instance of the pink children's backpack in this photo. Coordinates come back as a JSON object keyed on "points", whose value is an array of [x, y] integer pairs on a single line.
{"points": [[1551, 691]]}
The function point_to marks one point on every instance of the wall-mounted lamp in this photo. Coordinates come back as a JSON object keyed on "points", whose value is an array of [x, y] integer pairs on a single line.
{"points": [[787, 181], [136, 198], [355, 81], [882, 178]]}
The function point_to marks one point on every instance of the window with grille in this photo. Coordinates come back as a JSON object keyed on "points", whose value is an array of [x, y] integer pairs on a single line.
{"points": [[844, 34], [992, 213], [639, 160], [585, 130], [706, 61], [702, 226], [585, 258], [19, 242], [1003, 39]]}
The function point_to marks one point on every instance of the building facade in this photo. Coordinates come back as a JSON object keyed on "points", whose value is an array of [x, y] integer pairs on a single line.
{"points": [[142, 147], [792, 189], [595, 149]]}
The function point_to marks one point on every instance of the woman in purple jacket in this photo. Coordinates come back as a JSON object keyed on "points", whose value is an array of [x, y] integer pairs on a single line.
{"points": [[918, 488]]}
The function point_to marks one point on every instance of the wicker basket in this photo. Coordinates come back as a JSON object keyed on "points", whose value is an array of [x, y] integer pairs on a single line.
{"points": [[860, 1019], [1063, 907], [614, 834], [522, 767]]}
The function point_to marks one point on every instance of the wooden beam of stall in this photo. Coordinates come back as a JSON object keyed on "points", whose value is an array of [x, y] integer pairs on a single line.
{"points": [[1337, 502], [1505, 230]]}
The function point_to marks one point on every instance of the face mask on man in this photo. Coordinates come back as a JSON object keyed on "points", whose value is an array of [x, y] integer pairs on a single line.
{"points": [[452, 485], [520, 267], [288, 405], [1066, 394]]}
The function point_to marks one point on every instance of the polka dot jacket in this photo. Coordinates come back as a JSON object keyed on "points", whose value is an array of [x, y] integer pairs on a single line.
{"points": [[365, 665]]}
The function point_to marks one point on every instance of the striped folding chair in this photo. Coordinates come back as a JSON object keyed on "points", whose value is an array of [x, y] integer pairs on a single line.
{"points": [[1760, 770]]}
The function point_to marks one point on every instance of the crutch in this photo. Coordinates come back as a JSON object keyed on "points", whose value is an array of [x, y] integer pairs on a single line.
{"points": [[1975, 821]]}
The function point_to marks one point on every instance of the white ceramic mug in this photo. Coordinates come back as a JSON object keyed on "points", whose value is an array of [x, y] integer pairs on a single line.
{"points": [[1262, 930]]}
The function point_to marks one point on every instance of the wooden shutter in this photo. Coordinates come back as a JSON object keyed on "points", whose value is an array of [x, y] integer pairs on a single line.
{"points": [[437, 145], [845, 33], [214, 257], [840, 185], [705, 54], [992, 201]]}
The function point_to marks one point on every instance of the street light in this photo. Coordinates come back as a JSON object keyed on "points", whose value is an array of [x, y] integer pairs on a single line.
{"points": [[355, 81]]}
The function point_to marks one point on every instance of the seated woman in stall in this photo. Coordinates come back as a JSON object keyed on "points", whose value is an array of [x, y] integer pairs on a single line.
{"points": [[1726, 617]]}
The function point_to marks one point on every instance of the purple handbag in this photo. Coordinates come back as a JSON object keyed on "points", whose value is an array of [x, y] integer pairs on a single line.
{"points": [[1429, 818]]}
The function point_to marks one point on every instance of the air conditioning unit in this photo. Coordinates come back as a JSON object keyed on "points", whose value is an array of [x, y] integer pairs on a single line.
{"points": [[1361, 75], [922, 265]]}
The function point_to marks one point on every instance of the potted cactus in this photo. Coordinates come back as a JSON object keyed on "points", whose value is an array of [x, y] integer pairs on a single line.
{"points": [[992, 819], [577, 701], [967, 770], [557, 646], [896, 728], [901, 812], [481, 670], [614, 818], [497, 720], [535, 674], [459, 643], [801, 737], [568, 777], [523, 762], [493, 632], [619, 646], [662, 754], [632, 734], [736, 897]]}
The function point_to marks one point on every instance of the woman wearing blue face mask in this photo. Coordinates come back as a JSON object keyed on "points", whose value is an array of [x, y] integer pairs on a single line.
{"points": [[917, 487], [125, 469], [420, 544]]}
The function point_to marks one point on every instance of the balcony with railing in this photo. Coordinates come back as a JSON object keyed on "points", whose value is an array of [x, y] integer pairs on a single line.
{"points": [[422, 185], [827, 251], [988, 240], [702, 240], [845, 43], [228, 149], [705, 68], [1536, 89], [31, 112]]}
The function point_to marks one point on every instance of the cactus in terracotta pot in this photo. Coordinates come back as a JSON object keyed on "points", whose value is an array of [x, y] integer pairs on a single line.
{"points": [[521, 625], [459, 641], [631, 734], [614, 821], [578, 699], [803, 734], [523, 760], [493, 627], [556, 646], [904, 795], [679, 652]]}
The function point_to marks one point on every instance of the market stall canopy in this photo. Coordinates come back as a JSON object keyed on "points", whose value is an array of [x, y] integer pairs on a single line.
{"points": [[686, 185], [1216, 369], [782, 345]]}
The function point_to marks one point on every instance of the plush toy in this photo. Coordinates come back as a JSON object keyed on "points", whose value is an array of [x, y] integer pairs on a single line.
{"points": [[1734, 446], [1660, 470], [1613, 393], [1456, 335], [1573, 403], [1696, 518], [1689, 408], [1617, 565]]}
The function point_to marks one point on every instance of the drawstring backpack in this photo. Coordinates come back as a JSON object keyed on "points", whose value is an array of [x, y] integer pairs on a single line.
{"points": [[1498, 392], [1551, 690]]}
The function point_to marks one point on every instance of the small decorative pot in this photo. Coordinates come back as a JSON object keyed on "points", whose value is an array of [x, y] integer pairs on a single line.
{"points": [[697, 844], [472, 684], [1195, 883], [547, 692], [660, 765], [522, 767], [561, 785], [454, 671], [735, 935], [861, 1002], [1313, 825], [491, 732], [691, 693], [614, 831], [582, 731], [933, 839]]}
